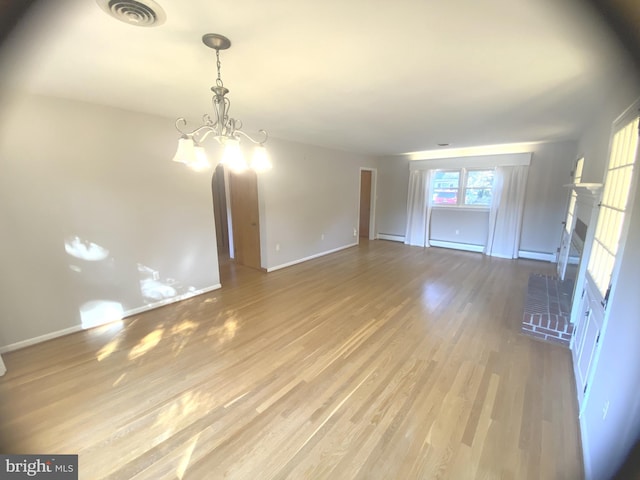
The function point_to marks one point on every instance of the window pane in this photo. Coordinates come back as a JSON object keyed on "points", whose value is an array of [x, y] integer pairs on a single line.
{"points": [[480, 178], [577, 178], [445, 187], [477, 196], [479, 186], [448, 180], [443, 196]]}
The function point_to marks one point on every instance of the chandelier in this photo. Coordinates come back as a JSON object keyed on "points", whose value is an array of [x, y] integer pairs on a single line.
{"points": [[226, 130]]}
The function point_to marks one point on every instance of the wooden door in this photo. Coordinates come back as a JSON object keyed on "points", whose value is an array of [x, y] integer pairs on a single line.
{"points": [[245, 221], [365, 202]]}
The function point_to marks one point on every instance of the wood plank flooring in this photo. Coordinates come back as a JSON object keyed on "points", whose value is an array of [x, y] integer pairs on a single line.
{"points": [[381, 361]]}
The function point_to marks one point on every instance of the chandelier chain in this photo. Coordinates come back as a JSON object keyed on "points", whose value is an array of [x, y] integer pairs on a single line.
{"points": [[218, 64]]}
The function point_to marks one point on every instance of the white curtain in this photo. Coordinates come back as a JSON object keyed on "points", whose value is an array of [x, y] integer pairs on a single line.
{"points": [[418, 209], [505, 218]]}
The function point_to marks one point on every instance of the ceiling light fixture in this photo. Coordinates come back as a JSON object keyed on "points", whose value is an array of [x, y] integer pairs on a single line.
{"points": [[226, 130]]}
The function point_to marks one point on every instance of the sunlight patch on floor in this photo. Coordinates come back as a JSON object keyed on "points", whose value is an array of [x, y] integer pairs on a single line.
{"points": [[149, 342], [186, 458], [180, 334], [119, 379], [226, 331], [173, 415], [108, 349]]}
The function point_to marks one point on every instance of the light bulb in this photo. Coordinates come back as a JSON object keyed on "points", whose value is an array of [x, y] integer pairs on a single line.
{"points": [[260, 161], [201, 162], [232, 156]]}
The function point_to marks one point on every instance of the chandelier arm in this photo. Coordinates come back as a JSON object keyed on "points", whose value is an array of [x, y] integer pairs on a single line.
{"points": [[206, 120], [198, 134], [257, 142], [183, 122], [207, 131]]}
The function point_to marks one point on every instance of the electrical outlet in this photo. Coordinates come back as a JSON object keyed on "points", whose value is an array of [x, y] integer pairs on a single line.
{"points": [[355, 232], [277, 247], [322, 237], [457, 232]]}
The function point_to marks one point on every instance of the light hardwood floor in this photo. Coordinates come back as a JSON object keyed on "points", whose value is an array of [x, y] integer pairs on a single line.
{"points": [[381, 361]]}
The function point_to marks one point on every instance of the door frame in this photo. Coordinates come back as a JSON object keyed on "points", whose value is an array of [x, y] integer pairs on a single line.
{"points": [[227, 206], [372, 201]]}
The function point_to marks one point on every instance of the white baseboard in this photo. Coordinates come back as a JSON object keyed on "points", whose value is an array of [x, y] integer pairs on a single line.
{"points": [[167, 301], [128, 313], [311, 257], [389, 236], [40, 338], [545, 257], [457, 246]]}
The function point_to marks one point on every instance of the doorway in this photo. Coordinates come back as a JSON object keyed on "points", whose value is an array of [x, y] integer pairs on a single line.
{"points": [[366, 225], [236, 217]]}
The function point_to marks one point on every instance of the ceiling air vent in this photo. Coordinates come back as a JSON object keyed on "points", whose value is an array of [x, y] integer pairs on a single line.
{"points": [[141, 13]]}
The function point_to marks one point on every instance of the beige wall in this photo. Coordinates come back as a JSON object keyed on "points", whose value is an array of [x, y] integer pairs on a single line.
{"points": [[459, 225], [393, 185], [103, 175], [309, 201], [546, 200]]}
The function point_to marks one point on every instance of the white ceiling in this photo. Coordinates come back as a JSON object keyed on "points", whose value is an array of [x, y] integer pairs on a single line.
{"points": [[372, 76]]}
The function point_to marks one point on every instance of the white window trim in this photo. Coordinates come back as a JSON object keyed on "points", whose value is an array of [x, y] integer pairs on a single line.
{"points": [[471, 208], [484, 161]]}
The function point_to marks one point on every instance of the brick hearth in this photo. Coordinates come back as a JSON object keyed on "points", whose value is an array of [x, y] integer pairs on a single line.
{"points": [[547, 309]]}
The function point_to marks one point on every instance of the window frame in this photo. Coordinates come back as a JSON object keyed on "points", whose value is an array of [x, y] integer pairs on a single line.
{"points": [[573, 197], [463, 178]]}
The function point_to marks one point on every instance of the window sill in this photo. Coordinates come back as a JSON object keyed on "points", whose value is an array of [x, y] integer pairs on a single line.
{"points": [[469, 208]]}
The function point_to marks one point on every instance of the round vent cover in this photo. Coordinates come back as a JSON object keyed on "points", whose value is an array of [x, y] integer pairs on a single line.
{"points": [[141, 13]]}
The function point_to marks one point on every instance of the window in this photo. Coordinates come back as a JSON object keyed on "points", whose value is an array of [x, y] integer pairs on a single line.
{"points": [[577, 177], [462, 187]]}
